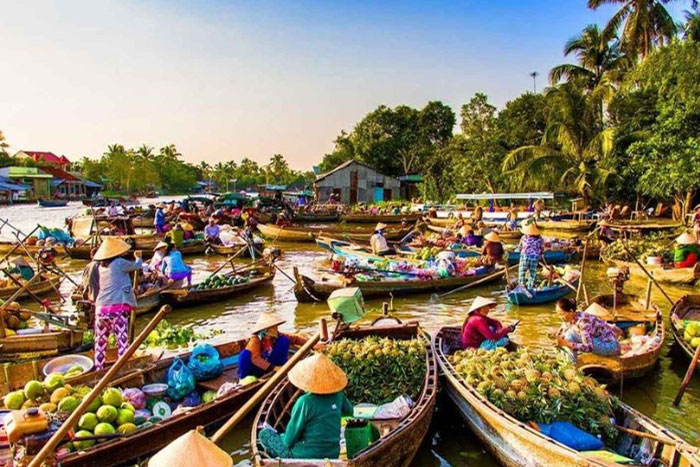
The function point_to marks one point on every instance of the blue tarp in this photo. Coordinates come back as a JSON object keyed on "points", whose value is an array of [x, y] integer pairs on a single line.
{"points": [[7, 185], [90, 184]]}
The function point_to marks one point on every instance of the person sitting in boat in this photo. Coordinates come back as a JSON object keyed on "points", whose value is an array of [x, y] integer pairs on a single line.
{"points": [[512, 217], [313, 431], [538, 207], [481, 332], [212, 232], [605, 233], [283, 220], [432, 213], [176, 236], [477, 215], [586, 331], [686, 252], [531, 248], [112, 229], [159, 219], [187, 230], [21, 267], [267, 348], [460, 222], [469, 238], [378, 242], [174, 267], [492, 253], [158, 255]]}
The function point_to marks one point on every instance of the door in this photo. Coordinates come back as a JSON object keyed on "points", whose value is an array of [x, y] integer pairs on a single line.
{"points": [[378, 194], [353, 186], [387, 194]]}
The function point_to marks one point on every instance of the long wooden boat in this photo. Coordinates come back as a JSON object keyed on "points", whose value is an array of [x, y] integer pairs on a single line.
{"points": [[191, 247], [232, 249], [400, 438], [506, 235], [52, 203], [627, 365], [687, 308], [148, 440], [537, 297], [308, 290], [662, 274], [320, 217], [43, 343], [440, 221], [6, 247], [258, 276], [651, 225], [46, 284], [363, 218], [307, 234], [566, 225], [142, 222], [517, 444]]}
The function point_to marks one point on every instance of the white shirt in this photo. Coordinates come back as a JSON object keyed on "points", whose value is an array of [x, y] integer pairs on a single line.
{"points": [[378, 243]]}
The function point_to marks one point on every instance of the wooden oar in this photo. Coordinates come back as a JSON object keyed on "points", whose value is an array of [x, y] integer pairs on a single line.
{"points": [[583, 269], [17, 245], [436, 297], [264, 390], [96, 390], [687, 378], [624, 245], [227, 261]]}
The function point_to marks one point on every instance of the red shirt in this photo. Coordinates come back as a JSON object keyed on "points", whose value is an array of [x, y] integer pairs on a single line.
{"points": [[478, 328]]}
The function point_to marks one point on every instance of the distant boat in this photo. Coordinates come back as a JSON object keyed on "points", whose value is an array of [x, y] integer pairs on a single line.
{"points": [[52, 203]]}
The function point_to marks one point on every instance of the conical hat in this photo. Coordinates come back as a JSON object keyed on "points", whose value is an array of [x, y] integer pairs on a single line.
{"points": [[530, 229], [598, 311], [319, 375], [160, 245], [480, 302], [191, 450], [111, 247], [380, 226], [187, 226], [465, 229], [266, 321], [492, 237], [686, 238]]}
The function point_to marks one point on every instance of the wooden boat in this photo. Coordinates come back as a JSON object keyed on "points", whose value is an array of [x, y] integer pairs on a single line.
{"points": [[440, 221], [232, 249], [517, 444], [307, 234], [43, 343], [142, 222], [320, 217], [664, 275], [685, 309], [148, 440], [52, 203], [626, 366], [308, 290], [259, 276], [362, 218], [539, 296], [506, 235], [650, 225], [400, 438], [567, 225], [81, 250], [6, 247], [46, 284]]}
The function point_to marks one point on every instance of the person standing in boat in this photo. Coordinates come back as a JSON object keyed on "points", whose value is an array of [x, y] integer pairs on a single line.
{"points": [[531, 248], [174, 267], [176, 236], [267, 348], [159, 219], [115, 298], [512, 217], [586, 331], [481, 332], [477, 215], [313, 431], [492, 253], [378, 242]]}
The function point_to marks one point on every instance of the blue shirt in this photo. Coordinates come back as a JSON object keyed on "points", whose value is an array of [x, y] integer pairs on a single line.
{"points": [[115, 283], [211, 231], [159, 218], [173, 263]]}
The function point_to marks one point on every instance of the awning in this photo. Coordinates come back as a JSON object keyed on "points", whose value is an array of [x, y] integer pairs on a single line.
{"points": [[490, 196], [6, 185], [57, 181], [90, 184]]}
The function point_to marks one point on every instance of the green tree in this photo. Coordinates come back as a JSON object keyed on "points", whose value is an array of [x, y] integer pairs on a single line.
{"points": [[691, 28], [522, 121], [4, 146]]}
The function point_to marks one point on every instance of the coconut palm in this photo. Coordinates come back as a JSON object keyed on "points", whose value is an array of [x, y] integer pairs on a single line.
{"points": [[574, 143], [3, 145], [646, 23], [691, 28]]}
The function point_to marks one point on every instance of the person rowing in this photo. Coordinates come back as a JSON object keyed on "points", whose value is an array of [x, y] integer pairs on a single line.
{"points": [[585, 331], [531, 249], [21, 267], [481, 332]]}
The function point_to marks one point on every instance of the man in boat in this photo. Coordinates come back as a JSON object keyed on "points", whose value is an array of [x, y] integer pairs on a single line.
{"points": [[378, 242], [159, 219], [90, 280], [538, 207], [212, 232], [481, 332], [512, 217], [531, 248], [686, 251], [21, 267], [267, 348], [492, 253], [313, 431], [586, 331], [282, 220], [477, 215], [432, 213], [469, 238]]}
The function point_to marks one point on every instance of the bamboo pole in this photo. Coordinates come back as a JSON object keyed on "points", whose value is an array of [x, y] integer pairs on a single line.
{"points": [[687, 378], [96, 390], [624, 245], [583, 269], [15, 247]]}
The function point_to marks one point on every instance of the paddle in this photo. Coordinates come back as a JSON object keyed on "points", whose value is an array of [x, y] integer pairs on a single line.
{"points": [[435, 297], [688, 376], [96, 390], [583, 269], [624, 245]]}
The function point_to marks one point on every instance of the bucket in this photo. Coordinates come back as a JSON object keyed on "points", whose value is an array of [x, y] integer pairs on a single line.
{"points": [[654, 260]]}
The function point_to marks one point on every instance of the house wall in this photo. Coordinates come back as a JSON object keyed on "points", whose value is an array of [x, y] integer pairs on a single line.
{"points": [[367, 180]]}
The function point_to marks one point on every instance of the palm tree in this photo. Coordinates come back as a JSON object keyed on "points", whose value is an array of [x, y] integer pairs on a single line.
{"points": [[3, 145], [646, 23], [574, 143], [145, 151], [691, 28]]}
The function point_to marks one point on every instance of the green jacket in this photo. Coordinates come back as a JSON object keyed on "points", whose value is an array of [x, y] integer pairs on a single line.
{"points": [[681, 252], [313, 431], [176, 236]]}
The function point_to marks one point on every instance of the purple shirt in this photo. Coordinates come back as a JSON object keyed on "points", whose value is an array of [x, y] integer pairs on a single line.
{"points": [[531, 245], [211, 231], [591, 327]]}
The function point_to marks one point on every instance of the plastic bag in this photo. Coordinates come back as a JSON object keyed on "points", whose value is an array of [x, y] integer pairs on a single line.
{"points": [[180, 380], [571, 436], [205, 363]]}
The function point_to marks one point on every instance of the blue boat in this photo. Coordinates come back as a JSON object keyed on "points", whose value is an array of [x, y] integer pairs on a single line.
{"points": [[52, 203], [539, 296], [550, 256]]}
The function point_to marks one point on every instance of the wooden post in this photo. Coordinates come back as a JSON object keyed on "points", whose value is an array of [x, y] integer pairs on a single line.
{"points": [[96, 390], [687, 378], [648, 295]]}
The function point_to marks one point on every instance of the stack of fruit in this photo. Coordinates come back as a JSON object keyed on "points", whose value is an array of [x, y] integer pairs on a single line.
{"points": [[538, 386], [220, 281], [380, 369], [428, 252], [14, 318], [691, 333]]}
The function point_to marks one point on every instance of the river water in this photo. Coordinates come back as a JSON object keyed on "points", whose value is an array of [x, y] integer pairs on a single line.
{"points": [[450, 443]]}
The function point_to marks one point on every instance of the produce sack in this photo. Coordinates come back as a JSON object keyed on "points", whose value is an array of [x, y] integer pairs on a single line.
{"points": [[571, 436], [205, 363], [180, 380]]}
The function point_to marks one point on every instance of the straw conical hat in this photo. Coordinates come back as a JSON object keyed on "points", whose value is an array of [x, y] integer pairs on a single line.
{"points": [[319, 375], [191, 450], [19, 261], [492, 237], [530, 229], [160, 245], [380, 226], [187, 226], [266, 321], [111, 247], [686, 238], [598, 311], [603, 223], [465, 229], [480, 302]]}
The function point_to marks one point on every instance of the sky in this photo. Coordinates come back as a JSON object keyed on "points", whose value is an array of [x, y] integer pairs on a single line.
{"points": [[227, 79]]}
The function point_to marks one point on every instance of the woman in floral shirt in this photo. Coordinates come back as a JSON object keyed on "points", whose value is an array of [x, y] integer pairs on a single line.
{"points": [[531, 249], [585, 332]]}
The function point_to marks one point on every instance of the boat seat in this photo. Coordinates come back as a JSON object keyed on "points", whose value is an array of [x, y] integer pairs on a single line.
{"points": [[229, 375]]}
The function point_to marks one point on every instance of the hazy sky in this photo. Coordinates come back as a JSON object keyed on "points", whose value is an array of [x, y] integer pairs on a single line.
{"points": [[225, 79]]}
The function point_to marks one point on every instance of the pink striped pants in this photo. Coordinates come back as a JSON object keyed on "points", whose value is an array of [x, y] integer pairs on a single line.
{"points": [[111, 319]]}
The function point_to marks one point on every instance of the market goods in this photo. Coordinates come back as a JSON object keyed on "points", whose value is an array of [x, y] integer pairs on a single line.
{"points": [[538, 386], [104, 429], [14, 400], [79, 445], [112, 396], [33, 390], [220, 281], [107, 413], [54, 381], [68, 404], [88, 421], [640, 248], [691, 333], [380, 369]]}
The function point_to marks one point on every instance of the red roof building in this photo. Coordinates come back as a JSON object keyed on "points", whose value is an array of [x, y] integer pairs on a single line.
{"points": [[45, 158]]}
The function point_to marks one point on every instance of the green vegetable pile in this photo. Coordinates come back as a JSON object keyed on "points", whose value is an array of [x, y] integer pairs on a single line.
{"points": [[380, 369], [219, 281], [538, 386], [691, 333], [640, 249], [172, 336]]}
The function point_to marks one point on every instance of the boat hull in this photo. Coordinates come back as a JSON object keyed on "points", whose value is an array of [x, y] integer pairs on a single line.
{"points": [[539, 297], [297, 234], [385, 218], [663, 275]]}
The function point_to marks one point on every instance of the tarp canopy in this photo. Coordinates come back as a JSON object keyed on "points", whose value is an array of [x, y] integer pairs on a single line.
{"points": [[491, 196], [90, 184], [7, 185]]}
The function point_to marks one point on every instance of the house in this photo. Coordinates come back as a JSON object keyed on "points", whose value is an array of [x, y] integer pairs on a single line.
{"points": [[70, 185], [10, 191], [354, 182], [39, 181], [45, 159], [409, 185]]}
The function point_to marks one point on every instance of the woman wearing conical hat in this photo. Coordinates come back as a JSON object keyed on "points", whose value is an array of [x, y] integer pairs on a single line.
{"points": [[378, 242], [267, 348], [481, 332], [531, 248], [492, 253], [587, 331], [686, 252], [313, 431], [115, 298]]}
